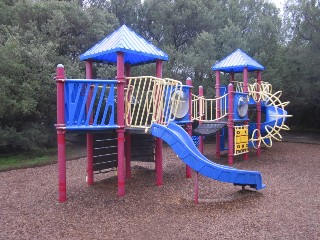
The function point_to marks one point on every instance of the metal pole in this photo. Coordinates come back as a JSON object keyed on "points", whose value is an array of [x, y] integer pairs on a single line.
{"points": [[189, 125], [120, 122], [200, 112], [158, 143], [128, 136], [245, 90], [218, 113], [230, 124], [90, 179], [196, 188], [259, 110], [61, 134]]}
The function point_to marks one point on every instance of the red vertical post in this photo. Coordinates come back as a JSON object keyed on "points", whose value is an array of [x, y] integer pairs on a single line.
{"points": [[61, 134], [189, 125], [218, 113], [90, 179], [245, 90], [230, 124], [200, 113], [120, 122], [158, 141], [232, 77], [196, 188], [127, 135], [259, 110]]}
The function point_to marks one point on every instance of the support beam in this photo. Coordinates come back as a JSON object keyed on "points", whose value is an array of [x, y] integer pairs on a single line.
{"points": [[230, 124], [158, 141], [120, 122], [61, 135], [201, 113], [90, 179], [196, 188], [189, 125], [128, 135], [218, 113], [259, 110], [245, 90]]}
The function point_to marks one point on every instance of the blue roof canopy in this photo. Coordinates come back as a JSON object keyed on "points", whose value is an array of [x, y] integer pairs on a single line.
{"points": [[135, 48], [236, 62]]}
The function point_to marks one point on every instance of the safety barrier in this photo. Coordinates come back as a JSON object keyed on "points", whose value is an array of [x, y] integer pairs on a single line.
{"points": [[273, 132], [151, 100], [90, 104], [254, 89], [263, 92], [205, 109]]}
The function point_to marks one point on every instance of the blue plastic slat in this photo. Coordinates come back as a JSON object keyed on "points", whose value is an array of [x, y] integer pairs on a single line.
{"points": [[110, 95], [99, 104], [83, 106], [93, 97]]}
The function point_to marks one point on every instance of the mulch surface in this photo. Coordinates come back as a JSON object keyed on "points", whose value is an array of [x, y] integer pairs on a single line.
{"points": [[289, 207]]}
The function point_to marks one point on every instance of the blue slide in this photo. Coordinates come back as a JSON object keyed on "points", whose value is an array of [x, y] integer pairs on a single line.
{"points": [[182, 144]]}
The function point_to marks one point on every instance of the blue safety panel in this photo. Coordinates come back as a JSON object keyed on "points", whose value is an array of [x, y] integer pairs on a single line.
{"points": [[236, 62], [183, 146], [90, 104], [136, 49]]}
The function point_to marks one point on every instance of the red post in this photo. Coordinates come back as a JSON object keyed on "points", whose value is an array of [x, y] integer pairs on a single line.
{"points": [[196, 188], [245, 90], [259, 110], [218, 113], [189, 125], [230, 124], [90, 179], [232, 77], [128, 137], [200, 112], [61, 134], [120, 122], [158, 143]]}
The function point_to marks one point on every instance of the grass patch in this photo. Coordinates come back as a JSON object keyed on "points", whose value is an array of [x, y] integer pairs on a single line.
{"points": [[38, 158]]}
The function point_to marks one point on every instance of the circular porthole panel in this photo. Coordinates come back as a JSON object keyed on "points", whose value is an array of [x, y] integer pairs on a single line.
{"points": [[179, 103], [242, 107]]}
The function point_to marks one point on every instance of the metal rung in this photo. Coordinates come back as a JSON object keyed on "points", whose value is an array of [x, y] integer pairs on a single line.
{"points": [[107, 139], [105, 147], [106, 155], [106, 171], [101, 163]]}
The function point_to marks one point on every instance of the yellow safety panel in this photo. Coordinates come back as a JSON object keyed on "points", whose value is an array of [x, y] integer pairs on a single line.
{"points": [[241, 140], [244, 139]]}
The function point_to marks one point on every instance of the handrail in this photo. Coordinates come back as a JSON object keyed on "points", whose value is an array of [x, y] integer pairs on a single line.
{"points": [[205, 109], [150, 100]]}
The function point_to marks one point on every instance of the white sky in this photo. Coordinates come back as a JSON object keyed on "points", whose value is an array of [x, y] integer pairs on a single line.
{"points": [[279, 3]]}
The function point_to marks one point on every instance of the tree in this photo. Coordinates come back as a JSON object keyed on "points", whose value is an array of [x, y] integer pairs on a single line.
{"points": [[35, 37], [301, 72]]}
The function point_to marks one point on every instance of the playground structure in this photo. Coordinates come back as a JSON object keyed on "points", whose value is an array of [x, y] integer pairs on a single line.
{"points": [[164, 108]]}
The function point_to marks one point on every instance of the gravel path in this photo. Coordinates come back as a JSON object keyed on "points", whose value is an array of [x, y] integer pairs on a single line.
{"points": [[287, 209]]}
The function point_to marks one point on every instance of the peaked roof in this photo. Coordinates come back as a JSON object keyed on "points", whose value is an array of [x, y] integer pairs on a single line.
{"points": [[135, 48], [236, 62]]}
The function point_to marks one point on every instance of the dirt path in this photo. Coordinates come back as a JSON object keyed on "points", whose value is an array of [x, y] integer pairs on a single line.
{"points": [[287, 209]]}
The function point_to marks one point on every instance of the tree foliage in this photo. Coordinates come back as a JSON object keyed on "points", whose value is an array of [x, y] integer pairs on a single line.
{"points": [[301, 61], [37, 35]]}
